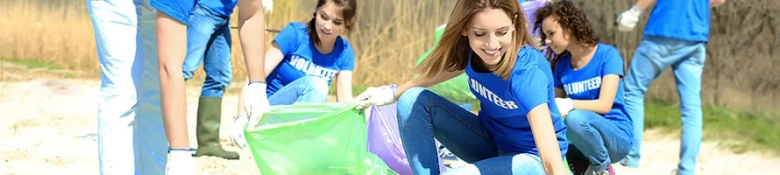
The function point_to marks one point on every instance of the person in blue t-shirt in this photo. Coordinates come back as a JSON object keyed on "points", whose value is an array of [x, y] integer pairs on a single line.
{"points": [[518, 129], [305, 57], [171, 26], [588, 86], [675, 36], [209, 42]]}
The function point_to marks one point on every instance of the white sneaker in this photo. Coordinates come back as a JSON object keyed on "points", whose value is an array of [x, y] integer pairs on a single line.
{"points": [[590, 171], [449, 159]]}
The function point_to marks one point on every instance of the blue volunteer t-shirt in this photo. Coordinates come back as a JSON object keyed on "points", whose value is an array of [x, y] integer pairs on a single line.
{"points": [[505, 104], [585, 83], [221, 7], [301, 58], [177, 9], [685, 20]]}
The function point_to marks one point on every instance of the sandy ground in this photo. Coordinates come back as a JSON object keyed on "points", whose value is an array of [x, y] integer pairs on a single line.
{"points": [[49, 125]]}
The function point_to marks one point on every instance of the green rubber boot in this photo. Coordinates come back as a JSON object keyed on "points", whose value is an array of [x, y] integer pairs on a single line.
{"points": [[209, 117]]}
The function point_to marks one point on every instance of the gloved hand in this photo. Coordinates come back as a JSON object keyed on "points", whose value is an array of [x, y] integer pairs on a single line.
{"points": [[564, 105], [627, 20], [255, 105], [376, 96], [180, 163], [268, 6], [256, 100], [237, 132]]}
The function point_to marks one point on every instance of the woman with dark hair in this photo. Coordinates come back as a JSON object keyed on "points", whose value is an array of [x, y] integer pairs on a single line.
{"points": [[588, 86], [302, 61]]}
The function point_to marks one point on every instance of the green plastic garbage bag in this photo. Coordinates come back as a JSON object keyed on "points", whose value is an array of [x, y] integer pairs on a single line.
{"points": [[455, 89], [323, 138]]}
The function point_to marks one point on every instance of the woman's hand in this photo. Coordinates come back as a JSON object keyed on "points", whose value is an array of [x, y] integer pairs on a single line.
{"points": [[376, 96]]}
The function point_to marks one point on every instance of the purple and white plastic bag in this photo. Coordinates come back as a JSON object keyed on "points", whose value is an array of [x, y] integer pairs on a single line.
{"points": [[384, 139]]}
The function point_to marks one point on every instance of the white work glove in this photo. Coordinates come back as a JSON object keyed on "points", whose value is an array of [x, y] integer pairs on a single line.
{"points": [[376, 96], [255, 105], [564, 105], [256, 100], [237, 132], [180, 163], [268, 6], [628, 19]]}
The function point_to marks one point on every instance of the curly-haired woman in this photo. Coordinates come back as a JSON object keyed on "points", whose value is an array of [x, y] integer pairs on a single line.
{"points": [[588, 86]]}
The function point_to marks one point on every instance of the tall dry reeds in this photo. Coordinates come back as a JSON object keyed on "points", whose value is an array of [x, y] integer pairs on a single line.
{"points": [[388, 38]]}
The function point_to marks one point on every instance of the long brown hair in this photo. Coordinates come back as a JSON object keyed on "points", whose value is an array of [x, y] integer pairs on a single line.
{"points": [[452, 52], [348, 12]]}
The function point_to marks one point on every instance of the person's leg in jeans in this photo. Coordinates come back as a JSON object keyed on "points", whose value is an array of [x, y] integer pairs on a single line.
{"points": [[115, 27], [599, 140], [687, 75], [654, 55], [217, 63], [649, 61], [516, 164], [507, 163], [210, 41], [151, 144], [307, 89], [424, 115]]}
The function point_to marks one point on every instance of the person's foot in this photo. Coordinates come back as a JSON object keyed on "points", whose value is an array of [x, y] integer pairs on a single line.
{"points": [[590, 171], [628, 163], [610, 170], [216, 151]]}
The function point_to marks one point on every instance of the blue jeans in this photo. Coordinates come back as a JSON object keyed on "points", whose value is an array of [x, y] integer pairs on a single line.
{"points": [[424, 115], [209, 41], [307, 89], [652, 57], [131, 137], [596, 139]]}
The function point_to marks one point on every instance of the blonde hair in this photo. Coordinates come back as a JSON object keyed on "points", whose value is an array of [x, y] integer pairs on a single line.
{"points": [[453, 50]]}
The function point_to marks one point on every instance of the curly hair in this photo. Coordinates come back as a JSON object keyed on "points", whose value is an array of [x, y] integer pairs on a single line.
{"points": [[572, 20]]}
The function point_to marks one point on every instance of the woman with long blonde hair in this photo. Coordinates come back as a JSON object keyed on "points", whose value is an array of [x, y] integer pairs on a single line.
{"points": [[518, 129]]}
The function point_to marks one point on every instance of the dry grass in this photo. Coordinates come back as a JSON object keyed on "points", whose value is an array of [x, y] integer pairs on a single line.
{"points": [[389, 36]]}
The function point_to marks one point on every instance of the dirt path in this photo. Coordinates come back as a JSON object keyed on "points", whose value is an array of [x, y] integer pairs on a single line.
{"points": [[49, 126]]}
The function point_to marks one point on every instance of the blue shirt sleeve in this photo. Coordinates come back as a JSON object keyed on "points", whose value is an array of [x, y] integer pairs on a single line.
{"points": [[613, 63], [288, 39], [347, 58], [530, 88], [177, 9]]}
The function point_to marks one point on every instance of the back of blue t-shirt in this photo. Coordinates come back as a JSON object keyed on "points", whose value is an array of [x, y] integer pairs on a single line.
{"points": [[680, 19], [585, 83], [221, 7], [506, 103], [301, 58], [177, 9]]}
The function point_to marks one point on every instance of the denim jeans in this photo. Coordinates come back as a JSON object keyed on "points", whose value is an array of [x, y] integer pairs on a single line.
{"points": [[424, 115], [652, 57], [209, 42], [307, 89], [129, 103], [596, 139]]}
